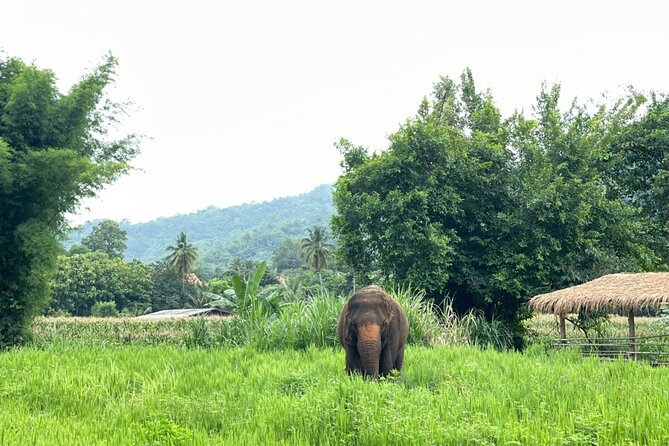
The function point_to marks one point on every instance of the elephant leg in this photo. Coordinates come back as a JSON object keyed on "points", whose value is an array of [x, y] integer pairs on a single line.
{"points": [[353, 363], [400, 359], [386, 361]]}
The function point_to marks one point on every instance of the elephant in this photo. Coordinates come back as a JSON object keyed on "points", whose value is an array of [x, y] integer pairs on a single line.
{"points": [[373, 330]]}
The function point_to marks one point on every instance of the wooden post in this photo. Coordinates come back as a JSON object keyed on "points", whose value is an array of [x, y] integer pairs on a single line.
{"points": [[630, 319], [563, 330]]}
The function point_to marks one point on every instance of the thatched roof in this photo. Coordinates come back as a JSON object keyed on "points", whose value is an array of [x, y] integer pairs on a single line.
{"points": [[614, 292]]}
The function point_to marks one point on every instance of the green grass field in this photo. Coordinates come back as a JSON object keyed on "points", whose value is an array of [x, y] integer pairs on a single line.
{"points": [[170, 395]]}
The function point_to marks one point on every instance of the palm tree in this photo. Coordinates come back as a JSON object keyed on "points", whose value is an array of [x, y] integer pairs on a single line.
{"points": [[181, 259], [317, 249]]}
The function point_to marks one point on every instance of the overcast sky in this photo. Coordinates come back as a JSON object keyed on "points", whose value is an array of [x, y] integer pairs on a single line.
{"points": [[242, 101]]}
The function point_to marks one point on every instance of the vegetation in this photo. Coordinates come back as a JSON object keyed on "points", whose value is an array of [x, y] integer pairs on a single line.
{"points": [[489, 211], [264, 325], [54, 151], [82, 395], [104, 309], [288, 255], [249, 231], [181, 259], [108, 237], [316, 249], [82, 280]]}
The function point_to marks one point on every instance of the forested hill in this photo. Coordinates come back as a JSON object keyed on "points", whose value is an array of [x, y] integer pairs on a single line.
{"points": [[248, 231]]}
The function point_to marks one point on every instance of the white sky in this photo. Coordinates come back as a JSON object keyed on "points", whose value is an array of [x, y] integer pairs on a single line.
{"points": [[242, 101]]}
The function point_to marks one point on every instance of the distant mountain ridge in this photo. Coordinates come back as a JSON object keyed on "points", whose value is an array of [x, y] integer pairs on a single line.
{"points": [[248, 231]]}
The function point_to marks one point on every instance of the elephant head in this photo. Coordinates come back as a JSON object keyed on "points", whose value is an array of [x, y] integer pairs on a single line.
{"points": [[373, 330]]}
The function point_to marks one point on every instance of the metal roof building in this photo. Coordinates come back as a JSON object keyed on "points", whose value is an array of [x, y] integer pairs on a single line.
{"points": [[186, 312]]}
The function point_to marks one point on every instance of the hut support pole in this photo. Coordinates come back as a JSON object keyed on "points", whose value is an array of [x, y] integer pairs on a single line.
{"points": [[563, 330], [630, 319]]}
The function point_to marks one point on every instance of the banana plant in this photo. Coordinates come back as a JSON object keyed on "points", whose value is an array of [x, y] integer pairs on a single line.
{"points": [[245, 296]]}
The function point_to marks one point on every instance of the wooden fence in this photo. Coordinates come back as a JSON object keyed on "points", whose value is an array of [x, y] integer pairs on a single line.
{"points": [[652, 349]]}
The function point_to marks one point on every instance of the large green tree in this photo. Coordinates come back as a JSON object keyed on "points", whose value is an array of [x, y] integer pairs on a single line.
{"points": [[638, 168], [81, 280], [487, 211], [54, 151], [108, 237]]}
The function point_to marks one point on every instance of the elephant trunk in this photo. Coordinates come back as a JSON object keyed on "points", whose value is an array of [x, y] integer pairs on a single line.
{"points": [[369, 348]]}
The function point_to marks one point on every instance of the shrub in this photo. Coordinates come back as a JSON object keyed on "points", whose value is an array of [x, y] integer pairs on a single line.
{"points": [[104, 309]]}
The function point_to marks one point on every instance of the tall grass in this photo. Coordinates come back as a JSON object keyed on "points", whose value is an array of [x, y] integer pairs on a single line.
{"points": [[432, 325], [168, 395], [298, 325]]}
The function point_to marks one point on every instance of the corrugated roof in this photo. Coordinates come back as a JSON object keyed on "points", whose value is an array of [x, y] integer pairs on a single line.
{"points": [[613, 292], [186, 312]]}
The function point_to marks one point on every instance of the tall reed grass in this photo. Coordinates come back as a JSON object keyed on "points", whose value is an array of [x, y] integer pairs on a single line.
{"points": [[298, 325]]}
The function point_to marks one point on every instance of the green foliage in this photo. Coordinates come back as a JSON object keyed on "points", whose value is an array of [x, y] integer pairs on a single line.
{"points": [[352, 155], [249, 231], [591, 323], [161, 431], [53, 152], [181, 258], [302, 283], [317, 249], [104, 309], [246, 268], [108, 237], [167, 288], [219, 285], [288, 255], [245, 297], [492, 211], [81, 280], [638, 169], [202, 296], [425, 327]]}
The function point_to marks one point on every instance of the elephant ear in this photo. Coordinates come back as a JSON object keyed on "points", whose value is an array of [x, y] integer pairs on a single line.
{"points": [[350, 332], [390, 309], [344, 326], [349, 329]]}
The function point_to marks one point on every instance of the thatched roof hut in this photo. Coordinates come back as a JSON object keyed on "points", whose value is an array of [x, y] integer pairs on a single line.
{"points": [[624, 292]]}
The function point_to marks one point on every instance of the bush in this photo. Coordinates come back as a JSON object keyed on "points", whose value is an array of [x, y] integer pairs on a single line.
{"points": [[104, 309]]}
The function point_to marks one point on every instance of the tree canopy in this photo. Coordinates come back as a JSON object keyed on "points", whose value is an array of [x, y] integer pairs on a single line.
{"points": [[82, 280], [54, 151], [487, 211], [108, 237]]}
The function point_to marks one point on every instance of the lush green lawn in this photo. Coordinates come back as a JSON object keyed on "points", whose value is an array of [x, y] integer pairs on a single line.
{"points": [[167, 395]]}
